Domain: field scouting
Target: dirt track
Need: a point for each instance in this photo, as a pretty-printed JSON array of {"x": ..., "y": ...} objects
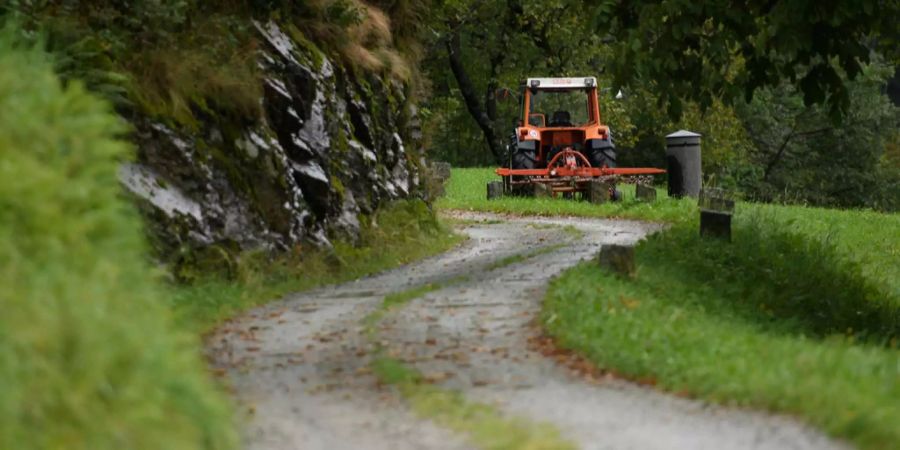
[{"x": 300, "y": 366}]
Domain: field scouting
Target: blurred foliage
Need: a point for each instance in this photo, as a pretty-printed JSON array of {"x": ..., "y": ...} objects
[
  {"x": 89, "y": 358},
  {"x": 701, "y": 51},
  {"x": 801, "y": 156}
]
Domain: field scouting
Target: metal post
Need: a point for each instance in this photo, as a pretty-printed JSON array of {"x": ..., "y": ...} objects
[{"x": 683, "y": 160}]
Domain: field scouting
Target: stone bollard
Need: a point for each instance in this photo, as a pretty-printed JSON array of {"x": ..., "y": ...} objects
[
  {"x": 542, "y": 190},
  {"x": 715, "y": 214},
  {"x": 647, "y": 193},
  {"x": 494, "y": 190},
  {"x": 683, "y": 161},
  {"x": 618, "y": 259},
  {"x": 438, "y": 173},
  {"x": 598, "y": 191},
  {"x": 441, "y": 170}
]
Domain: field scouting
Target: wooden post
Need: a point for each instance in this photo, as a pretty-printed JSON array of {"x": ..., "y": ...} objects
[
  {"x": 715, "y": 214},
  {"x": 618, "y": 259},
  {"x": 494, "y": 190},
  {"x": 643, "y": 192},
  {"x": 598, "y": 191}
]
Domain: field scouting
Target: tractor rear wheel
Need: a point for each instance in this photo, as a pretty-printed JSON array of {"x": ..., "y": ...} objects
[
  {"x": 522, "y": 160},
  {"x": 602, "y": 157}
]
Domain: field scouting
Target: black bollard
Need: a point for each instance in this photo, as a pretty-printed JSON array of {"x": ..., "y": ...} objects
[{"x": 683, "y": 160}]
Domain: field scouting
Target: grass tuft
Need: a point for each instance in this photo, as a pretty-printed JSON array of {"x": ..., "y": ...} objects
[{"x": 485, "y": 426}]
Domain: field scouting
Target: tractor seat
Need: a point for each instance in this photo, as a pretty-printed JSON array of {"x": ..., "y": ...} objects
[{"x": 561, "y": 119}]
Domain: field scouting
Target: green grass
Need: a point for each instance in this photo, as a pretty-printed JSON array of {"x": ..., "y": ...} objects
[
  {"x": 466, "y": 189},
  {"x": 89, "y": 356},
  {"x": 800, "y": 314},
  {"x": 791, "y": 317},
  {"x": 406, "y": 231}
]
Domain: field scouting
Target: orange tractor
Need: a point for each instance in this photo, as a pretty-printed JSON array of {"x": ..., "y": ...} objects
[{"x": 561, "y": 144}]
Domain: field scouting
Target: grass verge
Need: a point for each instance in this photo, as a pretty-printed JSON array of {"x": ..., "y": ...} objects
[
  {"x": 786, "y": 318},
  {"x": 406, "y": 231}
]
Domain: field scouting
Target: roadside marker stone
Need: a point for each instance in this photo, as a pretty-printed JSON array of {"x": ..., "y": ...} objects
[
  {"x": 715, "y": 214},
  {"x": 618, "y": 259}
]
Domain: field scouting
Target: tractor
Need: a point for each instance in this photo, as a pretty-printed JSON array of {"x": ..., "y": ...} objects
[{"x": 561, "y": 146}]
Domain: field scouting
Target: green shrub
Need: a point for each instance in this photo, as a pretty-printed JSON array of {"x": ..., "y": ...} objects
[{"x": 88, "y": 356}]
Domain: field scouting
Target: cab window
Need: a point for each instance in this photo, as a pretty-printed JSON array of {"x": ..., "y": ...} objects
[{"x": 561, "y": 108}]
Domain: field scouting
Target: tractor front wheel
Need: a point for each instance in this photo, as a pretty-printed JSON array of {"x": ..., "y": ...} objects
[{"x": 521, "y": 160}]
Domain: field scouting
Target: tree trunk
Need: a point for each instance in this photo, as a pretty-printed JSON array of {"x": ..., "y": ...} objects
[{"x": 473, "y": 105}]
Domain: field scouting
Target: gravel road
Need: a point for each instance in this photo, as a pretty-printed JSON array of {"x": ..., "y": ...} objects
[{"x": 299, "y": 367}]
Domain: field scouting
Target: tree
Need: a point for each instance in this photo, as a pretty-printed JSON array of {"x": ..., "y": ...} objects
[
  {"x": 729, "y": 49},
  {"x": 493, "y": 44},
  {"x": 802, "y": 156}
]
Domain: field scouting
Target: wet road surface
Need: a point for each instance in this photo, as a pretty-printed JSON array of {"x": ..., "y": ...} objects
[{"x": 300, "y": 366}]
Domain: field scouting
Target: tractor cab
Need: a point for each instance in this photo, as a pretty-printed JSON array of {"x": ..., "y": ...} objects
[
  {"x": 561, "y": 144},
  {"x": 560, "y": 114}
]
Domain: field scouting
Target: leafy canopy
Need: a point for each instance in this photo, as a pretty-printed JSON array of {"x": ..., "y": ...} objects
[{"x": 728, "y": 49}]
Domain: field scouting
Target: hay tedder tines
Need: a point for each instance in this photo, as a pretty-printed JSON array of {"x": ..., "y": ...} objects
[{"x": 568, "y": 153}]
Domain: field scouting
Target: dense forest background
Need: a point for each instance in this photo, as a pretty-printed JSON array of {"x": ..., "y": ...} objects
[
  {"x": 797, "y": 112},
  {"x": 781, "y": 122}
]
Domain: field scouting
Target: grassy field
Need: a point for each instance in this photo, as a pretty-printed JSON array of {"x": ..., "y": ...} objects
[{"x": 800, "y": 314}]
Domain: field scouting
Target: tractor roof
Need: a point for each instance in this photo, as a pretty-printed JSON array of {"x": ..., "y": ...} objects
[{"x": 562, "y": 83}]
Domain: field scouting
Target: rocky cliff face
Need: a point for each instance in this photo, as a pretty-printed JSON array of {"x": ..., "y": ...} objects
[{"x": 331, "y": 146}]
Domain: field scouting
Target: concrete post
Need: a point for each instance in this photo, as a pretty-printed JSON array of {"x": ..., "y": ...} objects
[
  {"x": 494, "y": 190},
  {"x": 715, "y": 214},
  {"x": 645, "y": 193},
  {"x": 598, "y": 191},
  {"x": 683, "y": 160}
]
